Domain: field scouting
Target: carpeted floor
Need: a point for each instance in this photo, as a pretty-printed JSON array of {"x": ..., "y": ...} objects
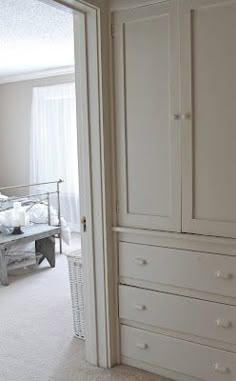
[{"x": 36, "y": 332}]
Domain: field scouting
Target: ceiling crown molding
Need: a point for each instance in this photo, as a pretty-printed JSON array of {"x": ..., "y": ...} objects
[{"x": 37, "y": 74}]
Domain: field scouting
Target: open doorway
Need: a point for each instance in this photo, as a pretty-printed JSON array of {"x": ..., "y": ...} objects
[
  {"x": 38, "y": 105},
  {"x": 39, "y": 144},
  {"x": 91, "y": 27}
]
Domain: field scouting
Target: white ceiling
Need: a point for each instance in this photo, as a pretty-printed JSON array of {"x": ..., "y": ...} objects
[{"x": 34, "y": 37}]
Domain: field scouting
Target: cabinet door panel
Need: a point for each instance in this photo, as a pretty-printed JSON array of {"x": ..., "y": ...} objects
[
  {"x": 208, "y": 64},
  {"x": 146, "y": 94}
]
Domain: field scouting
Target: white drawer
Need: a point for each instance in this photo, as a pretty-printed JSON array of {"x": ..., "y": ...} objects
[
  {"x": 212, "y": 273},
  {"x": 194, "y": 360},
  {"x": 177, "y": 313}
]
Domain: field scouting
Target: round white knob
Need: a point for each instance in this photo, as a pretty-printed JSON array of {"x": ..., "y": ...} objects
[
  {"x": 140, "y": 307},
  {"x": 223, "y": 323},
  {"x": 221, "y": 368},
  {"x": 140, "y": 261},
  {"x": 186, "y": 116},
  {"x": 142, "y": 345},
  {"x": 223, "y": 275}
]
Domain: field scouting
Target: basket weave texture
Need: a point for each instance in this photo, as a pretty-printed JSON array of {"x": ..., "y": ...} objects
[{"x": 75, "y": 266}]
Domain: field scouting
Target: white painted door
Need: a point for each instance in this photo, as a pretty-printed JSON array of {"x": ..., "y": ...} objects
[
  {"x": 208, "y": 80},
  {"x": 146, "y": 75},
  {"x": 85, "y": 176}
]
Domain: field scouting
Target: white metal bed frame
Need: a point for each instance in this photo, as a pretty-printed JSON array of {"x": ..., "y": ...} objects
[{"x": 33, "y": 199}]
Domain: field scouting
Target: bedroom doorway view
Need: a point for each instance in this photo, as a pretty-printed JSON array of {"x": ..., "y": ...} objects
[{"x": 39, "y": 195}]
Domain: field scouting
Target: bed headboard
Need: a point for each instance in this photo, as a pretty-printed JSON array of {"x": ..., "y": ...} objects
[{"x": 33, "y": 197}]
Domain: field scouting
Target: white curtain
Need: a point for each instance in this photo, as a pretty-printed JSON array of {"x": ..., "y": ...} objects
[{"x": 53, "y": 151}]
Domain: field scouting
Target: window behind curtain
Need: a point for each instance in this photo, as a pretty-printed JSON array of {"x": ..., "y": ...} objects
[{"x": 54, "y": 151}]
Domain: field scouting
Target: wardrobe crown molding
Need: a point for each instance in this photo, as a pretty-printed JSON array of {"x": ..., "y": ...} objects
[{"x": 116, "y": 5}]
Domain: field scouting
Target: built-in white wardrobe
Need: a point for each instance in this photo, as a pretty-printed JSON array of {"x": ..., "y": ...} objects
[{"x": 174, "y": 65}]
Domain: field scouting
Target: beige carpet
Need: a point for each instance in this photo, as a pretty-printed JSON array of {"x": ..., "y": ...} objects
[{"x": 36, "y": 332}]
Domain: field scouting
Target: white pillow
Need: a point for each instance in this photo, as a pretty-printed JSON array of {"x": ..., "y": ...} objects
[{"x": 3, "y": 197}]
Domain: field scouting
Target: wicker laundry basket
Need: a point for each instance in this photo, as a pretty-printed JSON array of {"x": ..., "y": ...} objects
[{"x": 75, "y": 266}]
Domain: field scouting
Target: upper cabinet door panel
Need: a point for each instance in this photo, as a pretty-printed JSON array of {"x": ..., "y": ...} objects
[
  {"x": 146, "y": 97},
  {"x": 208, "y": 64}
]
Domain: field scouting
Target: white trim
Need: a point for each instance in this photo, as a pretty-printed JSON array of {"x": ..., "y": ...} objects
[
  {"x": 82, "y": 6},
  {"x": 114, "y": 271},
  {"x": 116, "y": 5},
  {"x": 38, "y": 74},
  {"x": 101, "y": 343},
  {"x": 84, "y": 150},
  {"x": 195, "y": 242}
]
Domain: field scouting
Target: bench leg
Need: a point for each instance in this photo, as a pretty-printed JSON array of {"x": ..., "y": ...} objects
[
  {"x": 3, "y": 268},
  {"x": 46, "y": 247}
]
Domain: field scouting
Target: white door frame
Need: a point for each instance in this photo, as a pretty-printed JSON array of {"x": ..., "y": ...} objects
[{"x": 92, "y": 60}]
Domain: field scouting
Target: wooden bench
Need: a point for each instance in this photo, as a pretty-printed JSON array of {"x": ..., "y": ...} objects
[{"x": 44, "y": 237}]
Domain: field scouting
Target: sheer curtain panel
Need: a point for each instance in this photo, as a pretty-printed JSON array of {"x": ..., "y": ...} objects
[{"x": 54, "y": 150}]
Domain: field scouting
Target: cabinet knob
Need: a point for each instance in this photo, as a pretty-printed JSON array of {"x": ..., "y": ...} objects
[
  {"x": 176, "y": 116},
  {"x": 223, "y": 275},
  {"x": 186, "y": 116},
  {"x": 221, "y": 368},
  {"x": 223, "y": 323},
  {"x": 140, "y": 261},
  {"x": 142, "y": 345},
  {"x": 140, "y": 307}
]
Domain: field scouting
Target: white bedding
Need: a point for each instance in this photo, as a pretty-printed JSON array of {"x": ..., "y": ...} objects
[
  {"x": 38, "y": 214},
  {"x": 3, "y": 197}
]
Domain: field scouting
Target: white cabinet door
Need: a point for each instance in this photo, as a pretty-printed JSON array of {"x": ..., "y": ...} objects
[
  {"x": 146, "y": 71},
  {"x": 208, "y": 78}
]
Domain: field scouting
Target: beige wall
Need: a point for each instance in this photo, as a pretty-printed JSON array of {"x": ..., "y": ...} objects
[{"x": 15, "y": 117}]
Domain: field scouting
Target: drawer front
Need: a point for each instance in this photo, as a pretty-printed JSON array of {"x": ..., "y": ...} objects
[
  {"x": 212, "y": 273},
  {"x": 177, "y": 355},
  {"x": 177, "y": 313}
]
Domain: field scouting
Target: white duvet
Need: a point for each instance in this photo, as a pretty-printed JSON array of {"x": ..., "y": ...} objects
[{"x": 38, "y": 214}]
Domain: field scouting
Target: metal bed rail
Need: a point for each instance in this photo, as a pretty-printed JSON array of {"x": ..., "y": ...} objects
[{"x": 47, "y": 198}]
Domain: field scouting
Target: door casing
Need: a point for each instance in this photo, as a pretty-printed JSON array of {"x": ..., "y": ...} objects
[{"x": 92, "y": 63}]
